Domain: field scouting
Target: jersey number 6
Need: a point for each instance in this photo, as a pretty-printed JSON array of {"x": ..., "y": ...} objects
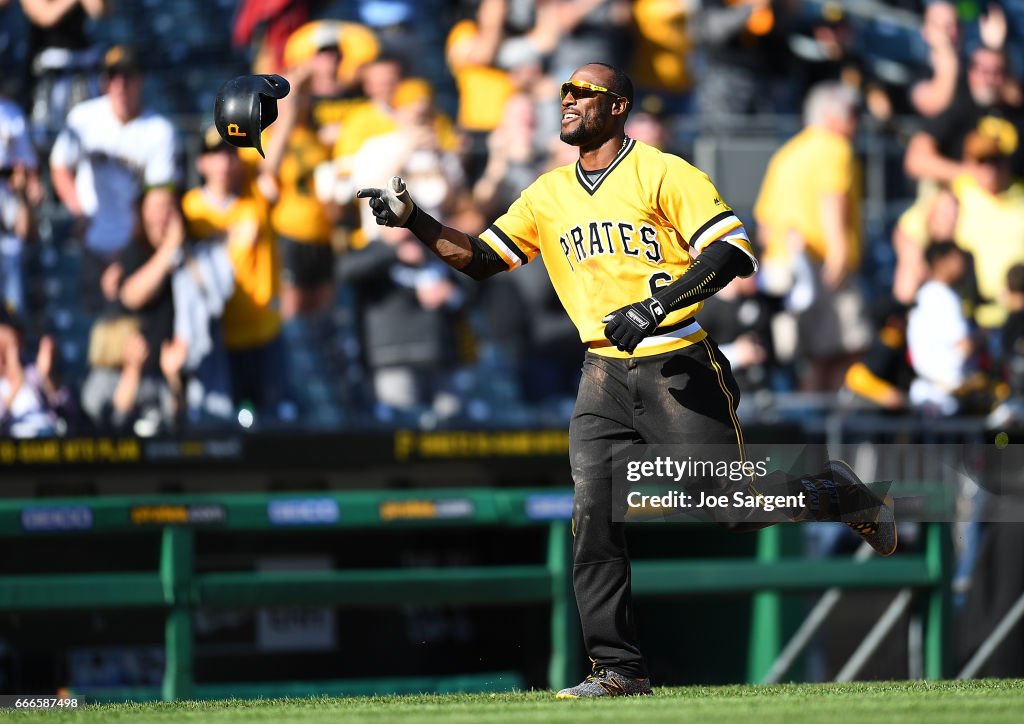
[{"x": 659, "y": 280}]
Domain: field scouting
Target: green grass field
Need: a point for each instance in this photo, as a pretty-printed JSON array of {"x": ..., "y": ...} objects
[{"x": 973, "y": 702}]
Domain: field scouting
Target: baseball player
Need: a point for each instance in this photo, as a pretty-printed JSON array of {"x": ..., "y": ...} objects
[{"x": 634, "y": 240}]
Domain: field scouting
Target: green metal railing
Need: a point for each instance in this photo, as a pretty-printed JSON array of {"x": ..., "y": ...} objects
[{"x": 177, "y": 587}]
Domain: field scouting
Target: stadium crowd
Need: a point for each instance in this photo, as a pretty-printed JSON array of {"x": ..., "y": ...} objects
[{"x": 156, "y": 279}]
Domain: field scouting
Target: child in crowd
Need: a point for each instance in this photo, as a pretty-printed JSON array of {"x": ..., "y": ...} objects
[{"x": 938, "y": 338}]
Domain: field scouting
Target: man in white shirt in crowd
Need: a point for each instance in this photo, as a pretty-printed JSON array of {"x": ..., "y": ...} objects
[{"x": 110, "y": 151}]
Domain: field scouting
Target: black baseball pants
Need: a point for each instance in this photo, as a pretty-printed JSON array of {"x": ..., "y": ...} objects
[{"x": 686, "y": 397}]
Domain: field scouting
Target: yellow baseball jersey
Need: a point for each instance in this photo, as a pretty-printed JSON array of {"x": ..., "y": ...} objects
[
  {"x": 615, "y": 239},
  {"x": 298, "y": 213},
  {"x": 661, "y": 45},
  {"x": 811, "y": 164},
  {"x": 982, "y": 219},
  {"x": 250, "y": 317},
  {"x": 366, "y": 120},
  {"x": 332, "y": 110},
  {"x": 483, "y": 89}
]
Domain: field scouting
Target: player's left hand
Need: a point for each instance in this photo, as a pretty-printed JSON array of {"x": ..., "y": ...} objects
[{"x": 629, "y": 326}]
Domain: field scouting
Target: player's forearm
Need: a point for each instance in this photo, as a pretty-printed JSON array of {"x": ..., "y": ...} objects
[
  {"x": 392, "y": 206},
  {"x": 467, "y": 254},
  {"x": 717, "y": 265},
  {"x": 455, "y": 248}
]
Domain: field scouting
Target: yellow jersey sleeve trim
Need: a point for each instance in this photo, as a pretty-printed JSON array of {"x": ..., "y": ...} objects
[
  {"x": 504, "y": 246},
  {"x": 739, "y": 239},
  {"x": 715, "y": 228}
]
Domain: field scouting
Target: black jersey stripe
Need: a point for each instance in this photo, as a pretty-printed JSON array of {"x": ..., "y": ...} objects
[
  {"x": 592, "y": 187},
  {"x": 509, "y": 243},
  {"x": 709, "y": 223}
]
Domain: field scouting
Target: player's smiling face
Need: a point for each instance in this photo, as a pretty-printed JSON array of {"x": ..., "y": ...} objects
[{"x": 586, "y": 114}]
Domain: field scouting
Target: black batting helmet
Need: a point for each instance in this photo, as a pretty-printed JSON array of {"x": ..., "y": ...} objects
[{"x": 245, "y": 106}]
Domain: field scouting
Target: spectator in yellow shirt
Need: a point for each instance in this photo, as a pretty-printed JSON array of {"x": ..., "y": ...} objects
[
  {"x": 661, "y": 46},
  {"x": 989, "y": 222},
  {"x": 484, "y": 89},
  {"x": 384, "y": 84},
  {"x": 219, "y": 208},
  {"x": 471, "y": 49},
  {"x": 301, "y": 218},
  {"x": 808, "y": 215}
]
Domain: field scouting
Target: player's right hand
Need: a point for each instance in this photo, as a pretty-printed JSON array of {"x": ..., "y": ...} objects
[{"x": 391, "y": 206}]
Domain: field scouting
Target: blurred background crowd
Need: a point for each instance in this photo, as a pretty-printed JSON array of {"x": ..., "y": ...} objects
[{"x": 155, "y": 279}]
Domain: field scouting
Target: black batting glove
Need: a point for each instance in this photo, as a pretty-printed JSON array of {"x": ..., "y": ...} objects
[
  {"x": 629, "y": 326},
  {"x": 391, "y": 206}
]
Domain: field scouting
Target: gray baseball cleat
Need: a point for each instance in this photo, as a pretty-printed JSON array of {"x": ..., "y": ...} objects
[
  {"x": 605, "y": 682},
  {"x": 870, "y": 516}
]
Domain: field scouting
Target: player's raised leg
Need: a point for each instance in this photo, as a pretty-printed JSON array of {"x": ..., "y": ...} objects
[{"x": 690, "y": 398}]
